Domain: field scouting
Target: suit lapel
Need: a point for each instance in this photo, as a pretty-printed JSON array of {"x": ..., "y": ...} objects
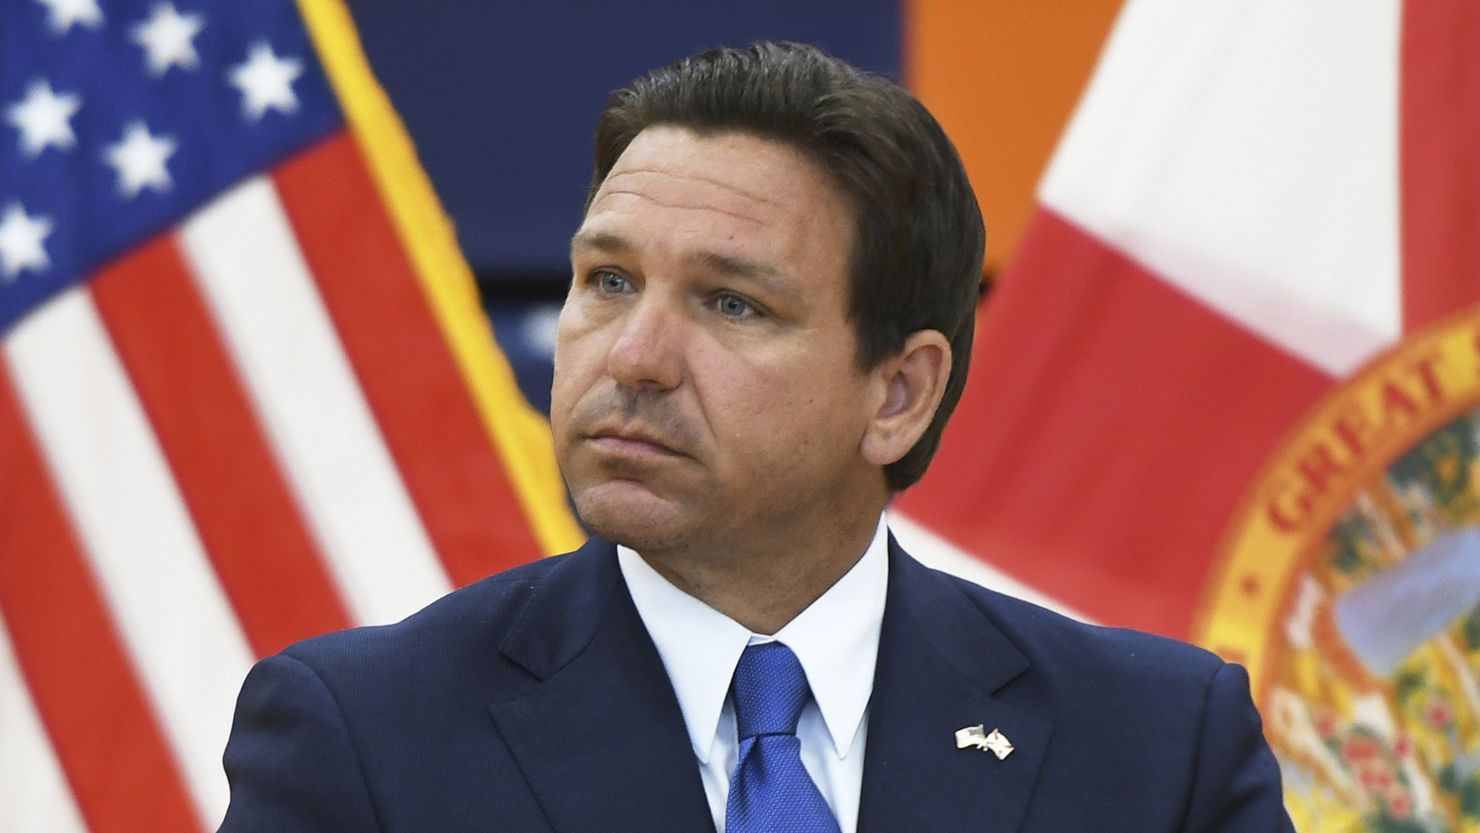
[
  {"x": 598, "y": 735},
  {"x": 940, "y": 661}
]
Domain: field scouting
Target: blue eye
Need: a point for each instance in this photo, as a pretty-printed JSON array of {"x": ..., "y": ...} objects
[
  {"x": 611, "y": 283},
  {"x": 733, "y": 306}
]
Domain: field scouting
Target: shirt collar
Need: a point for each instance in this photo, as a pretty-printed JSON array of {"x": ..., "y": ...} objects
[{"x": 836, "y": 639}]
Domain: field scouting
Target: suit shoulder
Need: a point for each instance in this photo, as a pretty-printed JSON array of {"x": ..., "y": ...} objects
[
  {"x": 1055, "y": 642},
  {"x": 469, "y": 620},
  {"x": 1142, "y": 732}
]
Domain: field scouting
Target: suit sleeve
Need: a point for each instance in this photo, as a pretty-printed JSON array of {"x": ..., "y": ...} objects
[
  {"x": 1236, "y": 785},
  {"x": 290, "y": 759}
]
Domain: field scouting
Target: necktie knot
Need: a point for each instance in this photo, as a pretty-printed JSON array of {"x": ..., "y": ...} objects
[{"x": 770, "y": 690}]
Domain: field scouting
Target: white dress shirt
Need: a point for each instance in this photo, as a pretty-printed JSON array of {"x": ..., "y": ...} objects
[{"x": 836, "y": 639}]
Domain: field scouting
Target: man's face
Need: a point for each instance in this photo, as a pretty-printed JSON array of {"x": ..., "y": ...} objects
[{"x": 705, "y": 376}]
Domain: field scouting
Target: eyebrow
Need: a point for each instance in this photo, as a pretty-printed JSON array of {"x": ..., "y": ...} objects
[
  {"x": 604, "y": 241},
  {"x": 738, "y": 267}
]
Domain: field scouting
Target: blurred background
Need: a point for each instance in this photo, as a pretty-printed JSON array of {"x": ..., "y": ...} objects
[{"x": 1225, "y": 385}]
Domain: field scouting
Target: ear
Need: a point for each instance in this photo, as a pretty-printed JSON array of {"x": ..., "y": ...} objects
[{"x": 911, "y": 384}]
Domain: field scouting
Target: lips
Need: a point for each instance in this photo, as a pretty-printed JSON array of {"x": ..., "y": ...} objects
[
  {"x": 619, "y": 422},
  {"x": 629, "y": 442}
]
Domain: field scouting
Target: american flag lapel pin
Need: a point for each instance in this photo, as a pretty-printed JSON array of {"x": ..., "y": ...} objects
[{"x": 978, "y": 736}]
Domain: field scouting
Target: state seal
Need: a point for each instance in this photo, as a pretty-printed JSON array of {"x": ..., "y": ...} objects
[{"x": 1349, "y": 585}]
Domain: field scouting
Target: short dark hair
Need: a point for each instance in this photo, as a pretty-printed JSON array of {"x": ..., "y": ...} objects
[{"x": 919, "y": 240}]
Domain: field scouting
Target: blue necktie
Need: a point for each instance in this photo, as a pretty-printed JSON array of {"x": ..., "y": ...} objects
[{"x": 771, "y": 791}]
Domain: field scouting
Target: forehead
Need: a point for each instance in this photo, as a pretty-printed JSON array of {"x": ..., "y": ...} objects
[{"x": 734, "y": 193}]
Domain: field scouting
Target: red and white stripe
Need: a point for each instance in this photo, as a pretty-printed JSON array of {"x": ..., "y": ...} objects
[
  {"x": 310, "y": 404},
  {"x": 230, "y": 439},
  {"x": 1253, "y": 198},
  {"x": 31, "y": 779}
]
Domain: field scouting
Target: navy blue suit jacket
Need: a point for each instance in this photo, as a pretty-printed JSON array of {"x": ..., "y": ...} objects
[{"x": 534, "y": 701}]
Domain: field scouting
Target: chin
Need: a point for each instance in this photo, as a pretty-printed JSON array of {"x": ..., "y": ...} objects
[{"x": 628, "y": 514}]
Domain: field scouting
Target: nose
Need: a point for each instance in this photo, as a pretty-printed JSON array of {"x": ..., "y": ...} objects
[{"x": 648, "y": 351}]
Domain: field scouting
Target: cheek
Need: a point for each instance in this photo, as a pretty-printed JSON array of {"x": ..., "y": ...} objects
[
  {"x": 830, "y": 404},
  {"x": 731, "y": 385},
  {"x": 574, "y": 350},
  {"x": 561, "y": 403},
  {"x": 778, "y": 409}
]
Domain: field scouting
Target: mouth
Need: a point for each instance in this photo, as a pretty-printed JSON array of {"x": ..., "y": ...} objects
[{"x": 626, "y": 443}]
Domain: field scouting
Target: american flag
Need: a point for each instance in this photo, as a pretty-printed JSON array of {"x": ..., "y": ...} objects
[{"x": 246, "y": 391}]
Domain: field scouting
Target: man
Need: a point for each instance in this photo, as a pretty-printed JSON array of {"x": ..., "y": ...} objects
[{"x": 768, "y": 324}]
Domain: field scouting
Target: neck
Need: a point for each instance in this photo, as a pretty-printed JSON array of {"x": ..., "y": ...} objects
[{"x": 765, "y": 587}]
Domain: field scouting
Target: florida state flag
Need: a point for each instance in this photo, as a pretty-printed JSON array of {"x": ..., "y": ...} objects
[{"x": 1227, "y": 390}]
